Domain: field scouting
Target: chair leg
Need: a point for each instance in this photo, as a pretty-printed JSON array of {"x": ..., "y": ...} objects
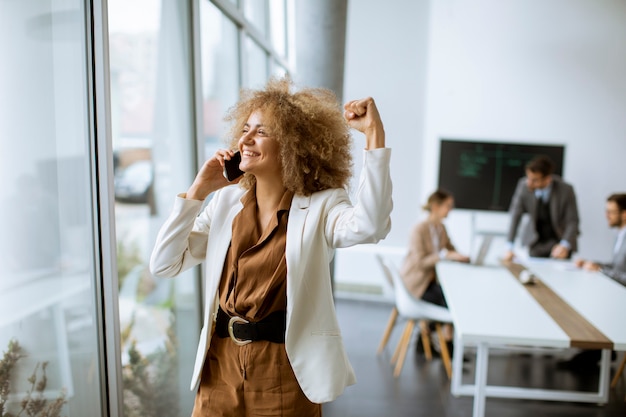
[
  {"x": 445, "y": 355},
  {"x": 390, "y": 324},
  {"x": 425, "y": 335},
  {"x": 619, "y": 372},
  {"x": 396, "y": 352},
  {"x": 405, "y": 346}
]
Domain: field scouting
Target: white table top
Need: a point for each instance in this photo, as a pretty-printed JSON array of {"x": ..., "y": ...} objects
[
  {"x": 598, "y": 298},
  {"x": 489, "y": 305}
]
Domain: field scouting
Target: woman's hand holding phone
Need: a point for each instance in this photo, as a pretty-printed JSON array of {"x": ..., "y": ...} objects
[{"x": 211, "y": 176}]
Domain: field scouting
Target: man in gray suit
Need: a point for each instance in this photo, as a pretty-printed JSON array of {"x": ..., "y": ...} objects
[
  {"x": 616, "y": 217},
  {"x": 551, "y": 203}
]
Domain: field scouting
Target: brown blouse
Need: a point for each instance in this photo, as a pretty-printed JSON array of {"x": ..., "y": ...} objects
[{"x": 254, "y": 280}]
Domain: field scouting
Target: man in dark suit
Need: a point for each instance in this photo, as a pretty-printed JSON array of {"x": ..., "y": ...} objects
[{"x": 551, "y": 204}]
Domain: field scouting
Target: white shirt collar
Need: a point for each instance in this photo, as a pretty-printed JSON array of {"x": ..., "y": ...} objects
[{"x": 544, "y": 193}]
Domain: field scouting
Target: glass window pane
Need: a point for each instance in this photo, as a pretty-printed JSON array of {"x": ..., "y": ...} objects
[
  {"x": 153, "y": 142},
  {"x": 278, "y": 26},
  {"x": 277, "y": 69},
  {"x": 256, "y": 64},
  {"x": 220, "y": 73},
  {"x": 47, "y": 294},
  {"x": 255, "y": 12}
]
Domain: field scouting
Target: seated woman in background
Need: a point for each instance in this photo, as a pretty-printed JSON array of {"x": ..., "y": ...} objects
[{"x": 430, "y": 243}]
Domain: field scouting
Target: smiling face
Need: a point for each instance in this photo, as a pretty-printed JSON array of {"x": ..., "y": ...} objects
[{"x": 260, "y": 153}]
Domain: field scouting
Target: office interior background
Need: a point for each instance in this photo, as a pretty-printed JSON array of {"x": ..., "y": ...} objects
[{"x": 108, "y": 107}]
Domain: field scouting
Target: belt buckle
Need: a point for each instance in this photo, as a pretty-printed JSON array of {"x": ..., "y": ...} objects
[{"x": 231, "y": 322}]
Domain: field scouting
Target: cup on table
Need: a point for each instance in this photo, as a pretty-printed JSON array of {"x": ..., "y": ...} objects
[{"x": 527, "y": 277}]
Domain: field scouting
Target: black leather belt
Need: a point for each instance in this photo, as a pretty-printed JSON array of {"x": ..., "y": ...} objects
[{"x": 272, "y": 328}]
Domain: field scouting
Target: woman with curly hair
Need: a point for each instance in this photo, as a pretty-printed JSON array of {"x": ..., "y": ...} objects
[{"x": 271, "y": 343}]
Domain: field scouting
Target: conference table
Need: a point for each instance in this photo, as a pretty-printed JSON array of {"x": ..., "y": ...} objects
[{"x": 564, "y": 308}]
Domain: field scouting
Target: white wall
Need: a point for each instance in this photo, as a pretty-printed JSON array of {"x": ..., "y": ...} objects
[
  {"x": 386, "y": 59},
  {"x": 519, "y": 71}
]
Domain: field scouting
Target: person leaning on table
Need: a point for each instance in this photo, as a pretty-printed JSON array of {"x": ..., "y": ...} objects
[
  {"x": 616, "y": 269},
  {"x": 268, "y": 242},
  {"x": 551, "y": 202}
]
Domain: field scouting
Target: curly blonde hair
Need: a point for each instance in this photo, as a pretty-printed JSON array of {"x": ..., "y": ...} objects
[{"x": 313, "y": 136}]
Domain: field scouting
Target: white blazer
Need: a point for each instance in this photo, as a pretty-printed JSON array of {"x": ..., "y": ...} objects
[{"x": 317, "y": 225}]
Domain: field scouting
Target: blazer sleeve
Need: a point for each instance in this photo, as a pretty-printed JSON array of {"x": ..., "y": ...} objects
[
  {"x": 516, "y": 209},
  {"x": 426, "y": 256},
  {"x": 617, "y": 269},
  {"x": 614, "y": 273},
  {"x": 182, "y": 240},
  {"x": 369, "y": 219},
  {"x": 418, "y": 268},
  {"x": 447, "y": 243},
  {"x": 570, "y": 220}
]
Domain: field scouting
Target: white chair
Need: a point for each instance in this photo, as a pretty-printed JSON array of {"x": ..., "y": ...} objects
[
  {"x": 414, "y": 310},
  {"x": 388, "y": 288},
  {"x": 393, "y": 318}
]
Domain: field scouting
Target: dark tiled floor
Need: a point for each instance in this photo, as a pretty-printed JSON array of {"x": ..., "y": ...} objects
[{"x": 424, "y": 390}]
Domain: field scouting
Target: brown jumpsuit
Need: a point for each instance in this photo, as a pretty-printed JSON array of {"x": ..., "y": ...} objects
[{"x": 255, "y": 379}]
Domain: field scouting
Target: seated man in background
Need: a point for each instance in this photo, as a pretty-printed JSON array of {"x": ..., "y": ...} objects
[
  {"x": 551, "y": 203},
  {"x": 616, "y": 217}
]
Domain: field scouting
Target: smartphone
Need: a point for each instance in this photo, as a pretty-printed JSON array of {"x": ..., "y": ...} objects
[{"x": 231, "y": 167}]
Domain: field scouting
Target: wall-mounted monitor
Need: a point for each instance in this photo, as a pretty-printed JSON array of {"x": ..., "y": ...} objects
[{"x": 483, "y": 175}]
